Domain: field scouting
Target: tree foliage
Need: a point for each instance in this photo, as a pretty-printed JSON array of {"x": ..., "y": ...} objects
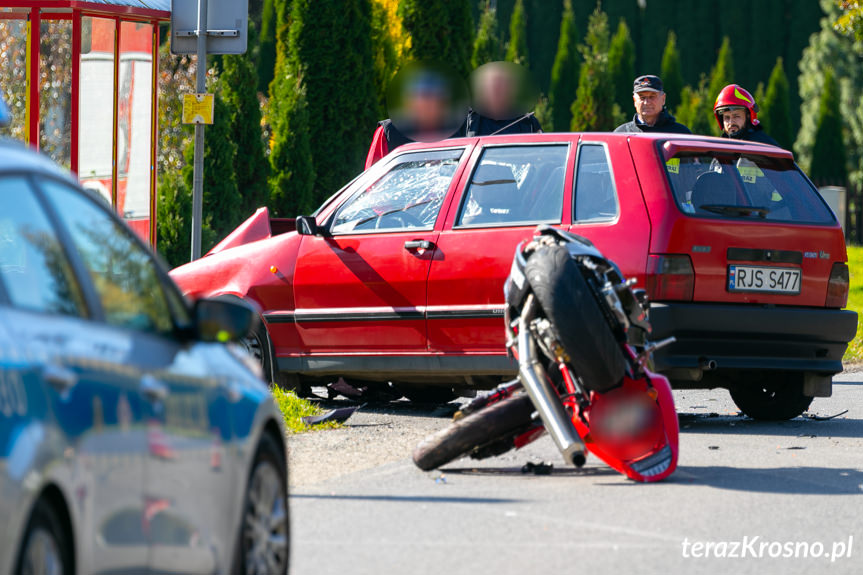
[
  {"x": 564, "y": 72},
  {"x": 593, "y": 108},
  {"x": 696, "y": 109},
  {"x": 439, "y": 30},
  {"x": 621, "y": 65},
  {"x": 388, "y": 45},
  {"x": 516, "y": 49},
  {"x": 338, "y": 84},
  {"x": 776, "y": 107},
  {"x": 828, "y": 150},
  {"x": 266, "y": 63},
  {"x": 487, "y": 45},
  {"x": 721, "y": 75},
  {"x": 237, "y": 85},
  {"x": 672, "y": 77}
]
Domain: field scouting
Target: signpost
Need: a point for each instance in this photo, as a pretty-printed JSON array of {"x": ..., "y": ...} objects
[{"x": 205, "y": 27}]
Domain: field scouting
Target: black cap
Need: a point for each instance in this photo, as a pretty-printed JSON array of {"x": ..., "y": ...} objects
[{"x": 647, "y": 84}]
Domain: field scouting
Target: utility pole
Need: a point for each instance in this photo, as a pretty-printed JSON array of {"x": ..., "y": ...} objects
[{"x": 198, "y": 178}]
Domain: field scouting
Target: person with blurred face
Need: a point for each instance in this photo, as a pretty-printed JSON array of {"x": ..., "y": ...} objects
[
  {"x": 499, "y": 102},
  {"x": 650, "y": 112},
  {"x": 736, "y": 113},
  {"x": 424, "y": 111}
]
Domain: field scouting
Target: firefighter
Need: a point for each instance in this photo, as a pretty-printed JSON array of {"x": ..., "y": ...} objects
[
  {"x": 651, "y": 115},
  {"x": 737, "y": 115}
]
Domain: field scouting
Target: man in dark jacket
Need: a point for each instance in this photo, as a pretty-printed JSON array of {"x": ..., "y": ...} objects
[
  {"x": 650, "y": 113},
  {"x": 737, "y": 114}
]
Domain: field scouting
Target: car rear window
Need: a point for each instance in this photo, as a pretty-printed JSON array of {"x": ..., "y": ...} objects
[{"x": 745, "y": 186}]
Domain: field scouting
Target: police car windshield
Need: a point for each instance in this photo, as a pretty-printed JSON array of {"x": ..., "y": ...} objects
[{"x": 748, "y": 186}]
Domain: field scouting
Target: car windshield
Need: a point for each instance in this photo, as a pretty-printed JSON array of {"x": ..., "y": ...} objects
[{"x": 745, "y": 186}]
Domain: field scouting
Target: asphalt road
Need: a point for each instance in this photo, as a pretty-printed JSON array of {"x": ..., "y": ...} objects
[{"x": 756, "y": 497}]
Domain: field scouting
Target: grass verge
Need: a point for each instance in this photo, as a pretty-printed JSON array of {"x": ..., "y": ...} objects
[
  {"x": 855, "y": 301},
  {"x": 294, "y": 409}
]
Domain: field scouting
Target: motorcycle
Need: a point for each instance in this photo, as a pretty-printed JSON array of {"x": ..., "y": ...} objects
[{"x": 579, "y": 332}]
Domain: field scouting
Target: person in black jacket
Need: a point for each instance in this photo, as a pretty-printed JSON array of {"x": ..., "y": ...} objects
[
  {"x": 650, "y": 112},
  {"x": 736, "y": 112}
]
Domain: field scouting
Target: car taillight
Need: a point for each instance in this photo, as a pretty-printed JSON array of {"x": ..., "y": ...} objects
[
  {"x": 837, "y": 287},
  {"x": 670, "y": 277}
]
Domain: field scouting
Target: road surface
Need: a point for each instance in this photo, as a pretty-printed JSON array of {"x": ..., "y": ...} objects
[{"x": 748, "y": 497}]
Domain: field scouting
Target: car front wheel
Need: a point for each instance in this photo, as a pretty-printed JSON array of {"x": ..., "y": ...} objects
[
  {"x": 264, "y": 531},
  {"x": 46, "y": 545},
  {"x": 772, "y": 397}
]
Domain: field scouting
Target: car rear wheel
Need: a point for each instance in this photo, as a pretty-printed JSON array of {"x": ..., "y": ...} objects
[
  {"x": 264, "y": 531},
  {"x": 772, "y": 397},
  {"x": 46, "y": 548},
  {"x": 485, "y": 427}
]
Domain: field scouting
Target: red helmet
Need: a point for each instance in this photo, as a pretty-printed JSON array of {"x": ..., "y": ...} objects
[{"x": 734, "y": 96}]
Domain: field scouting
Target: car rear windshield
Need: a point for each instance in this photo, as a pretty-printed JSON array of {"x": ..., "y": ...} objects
[{"x": 745, "y": 186}]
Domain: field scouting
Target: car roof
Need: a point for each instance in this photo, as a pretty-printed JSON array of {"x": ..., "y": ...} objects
[{"x": 574, "y": 136}]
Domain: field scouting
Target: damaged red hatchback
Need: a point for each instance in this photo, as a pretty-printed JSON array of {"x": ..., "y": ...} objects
[{"x": 399, "y": 276}]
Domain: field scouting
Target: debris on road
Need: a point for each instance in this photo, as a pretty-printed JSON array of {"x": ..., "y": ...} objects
[
  {"x": 339, "y": 415},
  {"x": 814, "y": 417},
  {"x": 538, "y": 468}
]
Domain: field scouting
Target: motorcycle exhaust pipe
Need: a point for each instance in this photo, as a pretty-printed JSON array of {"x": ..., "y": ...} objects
[{"x": 544, "y": 397}]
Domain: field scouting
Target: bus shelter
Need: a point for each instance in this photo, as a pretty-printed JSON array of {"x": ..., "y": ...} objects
[{"x": 80, "y": 79}]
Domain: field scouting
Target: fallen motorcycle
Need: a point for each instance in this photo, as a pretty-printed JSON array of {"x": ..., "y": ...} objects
[{"x": 580, "y": 334}]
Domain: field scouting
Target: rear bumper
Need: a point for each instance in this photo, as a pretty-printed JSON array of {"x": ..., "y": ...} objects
[{"x": 736, "y": 337}]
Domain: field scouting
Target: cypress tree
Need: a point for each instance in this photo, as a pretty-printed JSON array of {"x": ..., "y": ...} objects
[
  {"x": 486, "y": 47},
  {"x": 440, "y": 30},
  {"x": 696, "y": 109},
  {"x": 384, "y": 54},
  {"x": 267, "y": 46},
  {"x": 237, "y": 84},
  {"x": 776, "y": 107},
  {"x": 516, "y": 49},
  {"x": 621, "y": 65},
  {"x": 174, "y": 210},
  {"x": 292, "y": 174},
  {"x": 564, "y": 73},
  {"x": 338, "y": 83},
  {"x": 721, "y": 75},
  {"x": 593, "y": 108},
  {"x": 672, "y": 77},
  {"x": 828, "y": 152}
]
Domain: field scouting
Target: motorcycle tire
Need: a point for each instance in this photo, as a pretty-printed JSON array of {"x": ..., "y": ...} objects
[
  {"x": 489, "y": 425},
  {"x": 582, "y": 328}
]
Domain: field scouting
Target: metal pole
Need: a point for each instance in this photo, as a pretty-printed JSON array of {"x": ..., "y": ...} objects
[{"x": 200, "y": 88}]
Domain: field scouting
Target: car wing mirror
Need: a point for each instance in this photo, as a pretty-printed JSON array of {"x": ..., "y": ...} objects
[
  {"x": 308, "y": 226},
  {"x": 224, "y": 320}
]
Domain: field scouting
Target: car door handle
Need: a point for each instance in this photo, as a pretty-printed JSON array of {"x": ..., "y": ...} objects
[
  {"x": 418, "y": 245},
  {"x": 153, "y": 389},
  {"x": 59, "y": 377}
]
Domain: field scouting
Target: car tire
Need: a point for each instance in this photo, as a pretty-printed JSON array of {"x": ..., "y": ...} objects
[
  {"x": 490, "y": 425},
  {"x": 773, "y": 397},
  {"x": 582, "y": 328},
  {"x": 46, "y": 548},
  {"x": 264, "y": 537}
]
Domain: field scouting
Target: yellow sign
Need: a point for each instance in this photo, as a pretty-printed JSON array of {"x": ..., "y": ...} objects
[
  {"x": 673, "y": 165},
  {"x": 198, "y": 108},
  {"x": 750, "y": 174}
]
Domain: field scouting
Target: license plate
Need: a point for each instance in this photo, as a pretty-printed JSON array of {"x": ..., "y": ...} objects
[{"x": 764, "y": 279}]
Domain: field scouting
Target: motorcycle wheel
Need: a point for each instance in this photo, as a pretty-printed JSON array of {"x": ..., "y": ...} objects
[
  {"x": 489, "y": 425},
  {"x": 567, "y": 300}
]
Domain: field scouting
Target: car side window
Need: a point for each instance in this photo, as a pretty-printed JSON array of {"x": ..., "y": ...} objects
[
  {"x": 34, "y": 269},
  {"x": 122, "y": 271},
  {"x": 407, "y": 197},
  {"x": 595, "y": 192},
  {"x": 515, "y": 185}
]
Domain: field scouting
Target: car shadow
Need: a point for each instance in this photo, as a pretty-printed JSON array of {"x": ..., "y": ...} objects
[
  {"x": 803, "y": 426},
  {"x": 406, "y": 498},
  {"x": 780, "y": 480}
]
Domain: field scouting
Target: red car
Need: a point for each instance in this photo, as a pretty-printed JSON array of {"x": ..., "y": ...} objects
[{"x": 399, "y": 276}]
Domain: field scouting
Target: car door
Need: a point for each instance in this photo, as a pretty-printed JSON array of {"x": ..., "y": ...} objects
[
  {"x": 361, "y": 287},
  {"x": 84, "y": 406},
  {"x": 608, "y": 207},
  {"x": 509, "y": 191},
  {"x": 186, "y": 495}
]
